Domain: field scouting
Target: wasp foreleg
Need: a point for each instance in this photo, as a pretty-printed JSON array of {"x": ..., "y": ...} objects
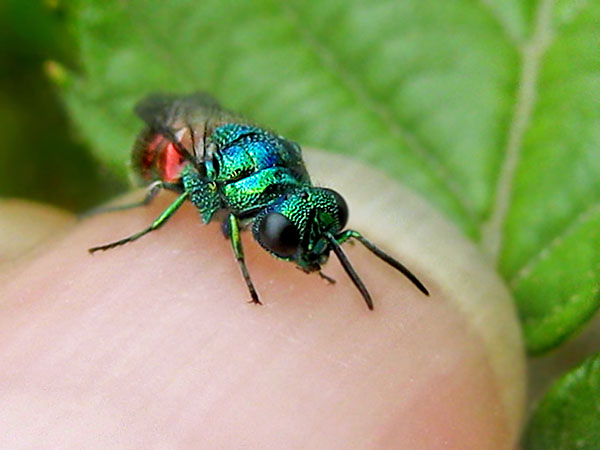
[
  {"x": 236, "y": 243},
  {"x": 326, "y": 277}
]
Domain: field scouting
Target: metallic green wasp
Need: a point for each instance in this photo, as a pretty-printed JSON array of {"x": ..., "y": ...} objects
[{"x": 246, "y": 176}]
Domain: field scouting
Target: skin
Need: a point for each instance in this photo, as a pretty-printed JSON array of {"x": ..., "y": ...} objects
[{"x": 153, "y": 345}]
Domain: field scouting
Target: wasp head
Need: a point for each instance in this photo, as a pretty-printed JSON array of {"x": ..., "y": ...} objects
[
  {"x": 296, "y": 228},
  {"x": 305, "y": 225}
]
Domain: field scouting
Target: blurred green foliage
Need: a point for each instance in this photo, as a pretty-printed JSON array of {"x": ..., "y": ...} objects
[
  {"x": 568, "y": 418},
  {"x": 40, "y": 157}
]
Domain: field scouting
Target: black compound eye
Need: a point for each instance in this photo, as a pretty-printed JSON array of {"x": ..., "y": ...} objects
[
  {"x": 278, "y": 234},
  {"x": 342, "y": 207}
]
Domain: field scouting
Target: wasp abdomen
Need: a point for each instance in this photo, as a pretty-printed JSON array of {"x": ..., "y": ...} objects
[
  {"x": 157, "y": 157},
  {"x": 260, "y": 189}
]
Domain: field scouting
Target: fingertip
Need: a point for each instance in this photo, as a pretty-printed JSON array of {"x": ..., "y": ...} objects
[
  {"x": 169, "y": 317},
  {"x": 164, "y": 322}
]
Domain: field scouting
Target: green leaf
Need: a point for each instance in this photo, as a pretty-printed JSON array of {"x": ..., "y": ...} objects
[
  {"x": 569, "y": 415},
  {"x": 39, "y": 159},
  {"x": 552, "y": 229},
  {"x": 487, "y": 108}
]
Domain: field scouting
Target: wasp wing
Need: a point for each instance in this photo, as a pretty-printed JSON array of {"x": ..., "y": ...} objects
[
  {"x": 177, "y": 131},
  {"x": 163, "y": 108}
]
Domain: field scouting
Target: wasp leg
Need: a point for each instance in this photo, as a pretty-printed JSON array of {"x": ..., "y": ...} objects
[
  {"x": 236, "y": 244},
  {"x": 326, "y": 278},
  {"x": 160, "y": 221},
  {"x": 151, "y": 193}
]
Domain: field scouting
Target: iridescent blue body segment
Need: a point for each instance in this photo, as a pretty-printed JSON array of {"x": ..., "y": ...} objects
[
  {"x": 250, "y": 168},
  {"x": 224, "y": 164},
  {"x": 243, "y": 150}
]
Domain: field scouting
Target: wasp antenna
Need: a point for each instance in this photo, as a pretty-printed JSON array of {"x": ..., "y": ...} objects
[
  {"x": 337, "y": 249},
  {"x": 391, "y": 261}
]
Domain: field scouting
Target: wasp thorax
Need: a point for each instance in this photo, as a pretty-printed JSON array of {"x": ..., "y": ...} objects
[{"x": 278, "y": 234}]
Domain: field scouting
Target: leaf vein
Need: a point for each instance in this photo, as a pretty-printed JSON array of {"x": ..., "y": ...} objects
[
  {"x": 532, "y": 54},
  {"x": 559, "y": 308},
  {"x": 545, "y": 250}
]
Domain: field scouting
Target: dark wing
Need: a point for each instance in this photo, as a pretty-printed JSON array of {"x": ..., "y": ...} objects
[
  {"x": 163, "y": 108},
  {"x": 177, "y": 130}
]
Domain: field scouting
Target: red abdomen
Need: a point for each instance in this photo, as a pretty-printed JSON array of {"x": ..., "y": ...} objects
[{"x": 155, "y": 157}]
